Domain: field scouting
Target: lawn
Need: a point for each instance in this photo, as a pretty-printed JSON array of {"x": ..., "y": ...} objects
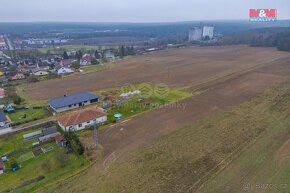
[
  {"x": 93, "y": 68},
  {"x": 22, "y": 116},
  {"x": 24, "y": 157},
  {"x": 15, "y": 142},
  {"x": 154, "y": 96},
  {"x": 51, "y": 165}
]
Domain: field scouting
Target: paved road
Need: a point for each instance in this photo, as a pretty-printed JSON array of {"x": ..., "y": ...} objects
[{"x": 8, "y": 42}]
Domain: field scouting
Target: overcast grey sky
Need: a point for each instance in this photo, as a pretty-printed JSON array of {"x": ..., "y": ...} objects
[{"x": 135, "y": 10}]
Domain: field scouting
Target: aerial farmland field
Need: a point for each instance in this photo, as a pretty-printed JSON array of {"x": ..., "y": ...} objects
[{"x": 175, "y": 68}]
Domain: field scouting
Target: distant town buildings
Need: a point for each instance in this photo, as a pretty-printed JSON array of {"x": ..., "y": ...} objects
[{"x": 201, "y": 33}]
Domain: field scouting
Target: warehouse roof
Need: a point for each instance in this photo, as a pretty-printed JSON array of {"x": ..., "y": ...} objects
[{"x": 72, "y": 99}]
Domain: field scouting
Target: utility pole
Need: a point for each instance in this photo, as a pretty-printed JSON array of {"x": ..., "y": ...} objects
[{"x": 95, "y": 133}]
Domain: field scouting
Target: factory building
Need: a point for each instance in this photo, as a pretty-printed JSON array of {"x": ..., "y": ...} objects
[
  {"x": 198, "y": 33},
  {"x": 207, "y": 31}
]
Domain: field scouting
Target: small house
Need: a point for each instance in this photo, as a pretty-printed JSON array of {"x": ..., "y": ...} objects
[
  {"x": 2, "y": 93},
  {"x": 109, "y": 55},
  {"x": 2, "y": 167},
  {"x": 16, "y": 76},
  {"x": 60, "y": 141},
  {"x": 86, "y": 60},
  {"x": 4, "y": 121},
  {"x": 66, "y": 63},
  {"x": 64, "y": 70},
  {"x": 81, "y": 119},
  {"x": 40, "y": 72}
]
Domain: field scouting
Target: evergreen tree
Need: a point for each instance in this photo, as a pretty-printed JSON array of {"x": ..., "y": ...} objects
[
  {"x": 97, "y": 55},
  {"x": 65, "y": 55}
]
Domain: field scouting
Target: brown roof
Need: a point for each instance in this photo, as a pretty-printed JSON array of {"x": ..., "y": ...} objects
[
  {"x": 59, "y": 138},
  {"x": 81, "y": 116}
]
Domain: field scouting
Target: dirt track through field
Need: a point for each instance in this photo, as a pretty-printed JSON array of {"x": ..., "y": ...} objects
[{"x": 185, "y": 66}]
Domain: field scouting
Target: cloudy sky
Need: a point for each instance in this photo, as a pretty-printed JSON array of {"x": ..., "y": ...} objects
[{"x": 135, "y": 10}]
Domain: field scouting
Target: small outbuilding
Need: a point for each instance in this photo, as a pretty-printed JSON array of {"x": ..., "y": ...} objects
[
  {"x": 33, "y": 135},
  {"x": 49, "y": 130},
  {"x": 60, "y": 141}
]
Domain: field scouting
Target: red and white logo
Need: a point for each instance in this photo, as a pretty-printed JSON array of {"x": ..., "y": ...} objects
[{"x": 263, "y": 15}]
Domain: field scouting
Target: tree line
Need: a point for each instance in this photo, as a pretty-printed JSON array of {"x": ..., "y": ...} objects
[{"x": 264, "y": 37}]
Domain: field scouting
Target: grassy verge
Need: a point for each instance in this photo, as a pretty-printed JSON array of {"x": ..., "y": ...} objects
[
  {"x": 22, "y": 116},
  {"x": 71, "y": 48},
  {"x": 187, "y": 158},
  {"x": 93, "y": 68}
]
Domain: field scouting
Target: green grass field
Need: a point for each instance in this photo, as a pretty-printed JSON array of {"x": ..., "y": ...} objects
[
  {"x": 31, "y": 114},
  {"x": 93, "y": 68},
  {"x": 52, "y": 165},
  {"x": 217, "y": 154},
  {"x": 72, "y": 48},
  {"x": 15, "y": 142},
  {"x": 156, "y": 96},
  {"x": 24, "y": 157}
]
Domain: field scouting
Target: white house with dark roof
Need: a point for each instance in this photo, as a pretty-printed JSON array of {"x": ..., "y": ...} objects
[
  {"x": 64, "y": 70},
  {"x": 73, "y": 101},
  {"x": 4, "y": 121}
]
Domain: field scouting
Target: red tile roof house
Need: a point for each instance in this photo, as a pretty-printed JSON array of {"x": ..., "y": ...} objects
[
  {"x": 60, "y": 141},
  {"x": 66, "y": 63},
  {"x": 16, "y": 76},
  {"x": 2, "y": 93},
  {"x": 81, "y": 119}
]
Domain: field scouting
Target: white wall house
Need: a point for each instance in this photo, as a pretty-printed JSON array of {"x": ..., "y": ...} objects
[
  {"x": 73, "y": 101},
  {"x": 65, "y": 70},
  {"x": 81, "y": 119},
  {"x": 4, "y": 121}
]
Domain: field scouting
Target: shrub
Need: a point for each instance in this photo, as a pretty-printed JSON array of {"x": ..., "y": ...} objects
[
  {"x": 46, "y": 166},
  {"x": 32, "y": 78},
  {"x": 13, "y": 162},
  {"x": 74, "y": 142}
]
